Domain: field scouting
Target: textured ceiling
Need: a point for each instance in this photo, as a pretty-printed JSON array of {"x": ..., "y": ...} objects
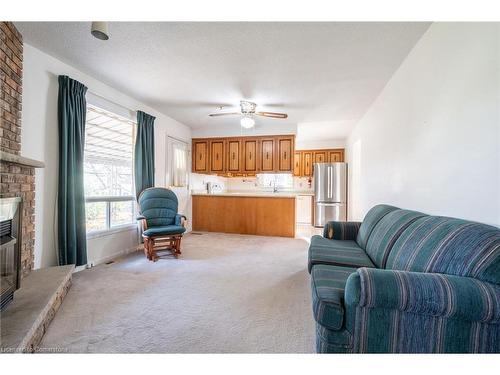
[{"x": 315, "y": 72}]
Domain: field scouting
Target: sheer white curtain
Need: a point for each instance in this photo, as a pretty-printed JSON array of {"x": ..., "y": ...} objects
[{"x": 179, "y": 164}]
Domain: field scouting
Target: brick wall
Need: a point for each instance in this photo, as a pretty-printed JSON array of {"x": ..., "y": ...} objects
[
  {"x": 19, "y": 181},
  {"x": 11, "y": 75},
  {"x": 15, "y": 180}
]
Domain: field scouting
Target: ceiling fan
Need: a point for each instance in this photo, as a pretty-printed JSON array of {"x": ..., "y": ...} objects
[{"x": 247, "y": 111}]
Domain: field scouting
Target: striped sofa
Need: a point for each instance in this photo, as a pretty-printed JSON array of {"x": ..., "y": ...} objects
[{"x": 406, "y": 282}]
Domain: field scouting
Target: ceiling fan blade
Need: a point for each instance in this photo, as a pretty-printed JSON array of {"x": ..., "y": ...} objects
[
  {"x": 224, "y": 114},
  {"x": 272, "y": 114}
]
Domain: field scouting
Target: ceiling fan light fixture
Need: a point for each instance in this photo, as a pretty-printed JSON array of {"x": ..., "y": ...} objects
[
  {"x": 247, "y": 122},
  {"x": 100, "y": 30}
]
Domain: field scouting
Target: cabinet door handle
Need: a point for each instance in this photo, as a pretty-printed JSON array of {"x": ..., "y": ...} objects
[
  {"x": 217, "y": 157},
  {"x": 285, "y": 155},
  {"x": 250, "y": 158},
  {"x": 200, "y": 156},
  {"x": 233, "y": 155},
  {"x": 267, "y": 155}
]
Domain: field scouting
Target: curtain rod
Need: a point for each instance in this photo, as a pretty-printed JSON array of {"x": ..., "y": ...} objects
[
  {"x": 177, "y": 139},
  {"x": 118, "y": 104}
]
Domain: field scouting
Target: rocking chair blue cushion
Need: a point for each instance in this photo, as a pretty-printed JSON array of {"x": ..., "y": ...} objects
[
  {"x": 167, "y": 230},
  {"x": 159, "y": 208}
]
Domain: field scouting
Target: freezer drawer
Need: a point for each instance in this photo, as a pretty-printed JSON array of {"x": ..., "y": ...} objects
[{"x": 324, "y": 212}]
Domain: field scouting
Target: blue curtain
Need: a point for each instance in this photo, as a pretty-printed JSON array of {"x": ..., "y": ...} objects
[
  {"x": 72, "y": 109},
  {"x": 144, "y": 161}
]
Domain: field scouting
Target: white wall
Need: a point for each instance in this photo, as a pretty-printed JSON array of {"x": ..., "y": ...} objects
[
  {"x": 430, "y": 141},
  {"x": 40, "y": 141},
  {"x": 235, "y": 130},
  {"x": 302, "y": 144}
]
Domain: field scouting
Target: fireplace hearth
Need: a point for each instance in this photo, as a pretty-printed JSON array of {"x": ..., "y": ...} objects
[{"x": 10, "y": 248}]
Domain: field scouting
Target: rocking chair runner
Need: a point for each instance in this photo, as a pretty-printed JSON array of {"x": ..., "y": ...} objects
[{"x": 161, "y": 224}]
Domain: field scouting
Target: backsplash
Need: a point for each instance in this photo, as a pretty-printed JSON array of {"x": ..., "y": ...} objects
[{"x": 198, "y": 183}]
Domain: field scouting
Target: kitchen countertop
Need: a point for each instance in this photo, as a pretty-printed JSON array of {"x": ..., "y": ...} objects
[{"x": 257, "y": 194}]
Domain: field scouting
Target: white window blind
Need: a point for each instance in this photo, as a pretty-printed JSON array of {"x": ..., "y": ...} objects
[{"x": 108, "y": 168}]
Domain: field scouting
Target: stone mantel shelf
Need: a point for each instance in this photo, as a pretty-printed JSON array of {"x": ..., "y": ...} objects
[{"x": 21, "y": 160}]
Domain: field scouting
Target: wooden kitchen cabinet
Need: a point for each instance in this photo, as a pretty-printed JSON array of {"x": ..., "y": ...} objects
[
  {"x": 304, "y": 160},
  {"x": 336, "y": 156},
  {"x": 236, "y": 156},
  {"x": 267, "y": 155},
  {"x": 200, "y": 156},
  {"x": 217, "y": 156},
  {"x": 297, "y": 163},
  {"x": 307, "y": 163},
  {"x": 249, "y": 155},
  {"x": 320, "y": 157},
  {"x": 233, "y": 164},
  {"x": 285, "y": 154}
]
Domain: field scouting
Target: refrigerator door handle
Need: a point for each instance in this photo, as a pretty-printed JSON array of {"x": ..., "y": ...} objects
[
  {"x": 329, "y": 204},
  {"x": 329, "y": 193}
]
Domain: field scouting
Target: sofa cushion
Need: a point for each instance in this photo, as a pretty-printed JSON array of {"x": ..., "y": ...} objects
[
  {"x": 371, "y": 219},
  {"x": 336, "y": 252},
  {"x": 164, "y": 230},
  {"x": 450, "y": 246},
  {"x": 386, "y": 232},
  {"x": 328, "y": 284}
]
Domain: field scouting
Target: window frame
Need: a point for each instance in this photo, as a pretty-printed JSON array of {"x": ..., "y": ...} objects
[{"x": 109, "y": 229}]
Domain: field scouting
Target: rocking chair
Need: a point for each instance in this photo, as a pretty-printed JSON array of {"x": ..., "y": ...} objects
[{"x": 161, "y": 224}]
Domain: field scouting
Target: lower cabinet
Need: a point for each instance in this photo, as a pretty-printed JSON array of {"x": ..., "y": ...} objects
[
  {"x": 304, "y": 209},
  {"x": 263, "y": 216}
]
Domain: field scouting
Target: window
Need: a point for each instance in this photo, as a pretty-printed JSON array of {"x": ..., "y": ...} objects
[
  {"x": 108, "y": 170},
  {"x": 282, "y": 180},
  {"x": 179, "y": 163}
]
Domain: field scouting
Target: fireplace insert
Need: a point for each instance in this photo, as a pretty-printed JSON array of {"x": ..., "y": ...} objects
[{"x": 10, "y": 248}]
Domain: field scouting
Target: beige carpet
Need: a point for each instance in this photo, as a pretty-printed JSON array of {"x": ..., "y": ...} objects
[{"x": 226, "y": 293}]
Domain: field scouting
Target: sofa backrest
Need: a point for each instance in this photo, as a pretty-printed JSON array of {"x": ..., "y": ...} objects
[
  {"x": 371, "y": 219},
  {"x": 451, "y": 246},
  {"x": 158, "y": 206},
  {"x": 386, "y": 232}
]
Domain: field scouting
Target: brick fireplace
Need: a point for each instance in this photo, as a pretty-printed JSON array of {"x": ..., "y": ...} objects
[
  {"x": 37, "y": 294},
  {"x": 17, "y": 174}
]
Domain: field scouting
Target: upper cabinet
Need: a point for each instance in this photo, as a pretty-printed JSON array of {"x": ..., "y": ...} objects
[
  {"x": 217, "y": 156},
  {"x": 285, "y": 154},
  {"x": 233, "y": 155},
  {"x": 297, "y": 163},
  {"x": 236, "y": 156},
  {"x": 249, "y": 156},
  {"x": 320, "y": 156},
  {"x": 307, "y": 163},
  {"x": 267, "y": 155},
  {"x": 200, "y": 156},
  {"x": 336, "y": 156},
  {"x": 304, "y": 160}
]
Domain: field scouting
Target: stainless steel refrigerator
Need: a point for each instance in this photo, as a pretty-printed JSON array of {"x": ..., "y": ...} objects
[{"x": 330, "y": 192}]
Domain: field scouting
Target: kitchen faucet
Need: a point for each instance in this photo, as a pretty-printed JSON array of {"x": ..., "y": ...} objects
[{"x": 275, "y": 188}]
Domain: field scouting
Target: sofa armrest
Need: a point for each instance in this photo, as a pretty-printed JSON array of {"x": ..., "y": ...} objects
[
  {"x": 180, "y": 220},
  {"x": 430, "y": 294},
  {"x": 341, "y": 230}
]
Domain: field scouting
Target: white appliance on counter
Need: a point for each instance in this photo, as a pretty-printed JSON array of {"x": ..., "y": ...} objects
[{"x": 330, "y": 193}]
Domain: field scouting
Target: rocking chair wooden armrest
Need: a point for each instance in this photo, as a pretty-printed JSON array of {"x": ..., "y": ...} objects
[
  {"x": 143, "y": 221},
  {"x": 181, "y": 220}
]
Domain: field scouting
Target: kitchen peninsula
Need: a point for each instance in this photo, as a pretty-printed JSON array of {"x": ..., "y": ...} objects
[{"x": 258, "y": 213}]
